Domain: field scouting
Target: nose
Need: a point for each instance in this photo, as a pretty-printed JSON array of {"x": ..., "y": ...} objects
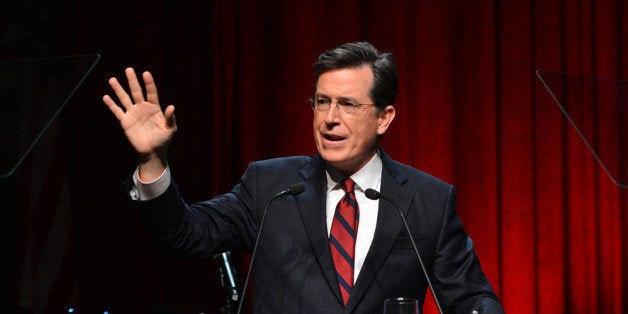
[{"x": 332, "y": 115}]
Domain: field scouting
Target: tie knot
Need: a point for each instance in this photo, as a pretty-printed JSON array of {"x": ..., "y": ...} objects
[{"x": 347, "y": 185}]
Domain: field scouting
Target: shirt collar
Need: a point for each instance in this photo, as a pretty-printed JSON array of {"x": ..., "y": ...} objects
[{"x": 368, "y": 177}]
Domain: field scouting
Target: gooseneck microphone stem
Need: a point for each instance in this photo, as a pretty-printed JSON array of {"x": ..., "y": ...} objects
[
  {"x": 227, "y": 278},
  {"x": 374, "y": 195},
  {"x": 295, "y": 189}
]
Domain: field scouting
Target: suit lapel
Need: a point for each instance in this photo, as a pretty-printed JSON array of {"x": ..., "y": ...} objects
[
  {"x": 389, "y": 226},
  {"x": 311, "y": 204}
]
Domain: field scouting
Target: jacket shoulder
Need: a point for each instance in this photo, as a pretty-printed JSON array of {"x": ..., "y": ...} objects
[
  {"x": 283, "y": 163},
  {"x": 415, "y": 177}
]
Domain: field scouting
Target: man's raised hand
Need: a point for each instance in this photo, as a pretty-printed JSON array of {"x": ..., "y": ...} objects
[{"x": 149, "y": 129}]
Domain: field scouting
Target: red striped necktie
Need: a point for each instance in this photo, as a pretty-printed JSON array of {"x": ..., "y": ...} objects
[{"x": 344, "y": 230}]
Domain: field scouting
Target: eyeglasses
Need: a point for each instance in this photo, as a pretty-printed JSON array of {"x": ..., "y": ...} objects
[{"x": 344, "y": 105}]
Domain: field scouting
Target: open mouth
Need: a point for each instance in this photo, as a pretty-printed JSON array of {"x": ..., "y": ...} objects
[{"x": 333, "y": 138}]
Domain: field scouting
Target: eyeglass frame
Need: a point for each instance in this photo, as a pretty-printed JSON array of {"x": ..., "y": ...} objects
[{"x": 343, "y": 103}]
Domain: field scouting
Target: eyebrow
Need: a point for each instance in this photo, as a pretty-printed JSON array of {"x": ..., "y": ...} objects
[{"x": 341, "y": 98}]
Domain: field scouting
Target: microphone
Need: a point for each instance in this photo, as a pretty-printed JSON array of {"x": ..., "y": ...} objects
[
  {"x": 374, "y": 195},
  {"x": 295, "y": 189},
  {"x": 227, "y": 276}
]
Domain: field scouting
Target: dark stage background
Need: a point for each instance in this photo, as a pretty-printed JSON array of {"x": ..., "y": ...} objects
[{"x": 548, "y": 223}]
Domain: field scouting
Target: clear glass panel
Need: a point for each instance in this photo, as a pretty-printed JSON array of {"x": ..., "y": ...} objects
[
  {"x": 596, "y": 108},
  {"x": 32, "y": 94}
]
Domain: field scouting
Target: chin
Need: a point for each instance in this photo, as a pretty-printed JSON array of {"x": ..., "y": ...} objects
[
  {"x": 333, "y": 156},
  {"x": 332, "y": 159}
]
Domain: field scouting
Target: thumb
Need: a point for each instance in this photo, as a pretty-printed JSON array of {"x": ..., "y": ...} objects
[{"x": 169, "y": 116}]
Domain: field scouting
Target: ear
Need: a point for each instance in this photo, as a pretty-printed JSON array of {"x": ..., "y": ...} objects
[{"x": 384, "y": 119}]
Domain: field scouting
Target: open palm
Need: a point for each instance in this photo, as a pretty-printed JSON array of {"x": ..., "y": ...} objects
[{"x": 148, "y": 129}]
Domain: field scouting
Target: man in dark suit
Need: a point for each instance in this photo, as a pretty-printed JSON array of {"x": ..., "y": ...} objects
[{"x": 330, "y": 248}]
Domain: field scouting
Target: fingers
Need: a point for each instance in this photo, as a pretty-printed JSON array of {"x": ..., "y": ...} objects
[
  {"x": 120, "y": 93},
  {"x": 151, "y": 88},
  {"x": 113, "y": 107},
  {"x": 137, "y": 95},
  {"x": 134, "y": 85}
]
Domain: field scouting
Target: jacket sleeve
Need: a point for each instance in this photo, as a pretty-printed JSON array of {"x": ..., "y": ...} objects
[
  {"x": 225, "y": 222},
  {"x": 461, "y": 285}
]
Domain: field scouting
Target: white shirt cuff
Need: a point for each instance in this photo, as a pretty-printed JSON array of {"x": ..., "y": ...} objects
[{"x": 145, "y": 191}]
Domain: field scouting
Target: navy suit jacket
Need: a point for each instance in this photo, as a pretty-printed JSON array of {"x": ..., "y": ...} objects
[{"x": 293, "y": 270}]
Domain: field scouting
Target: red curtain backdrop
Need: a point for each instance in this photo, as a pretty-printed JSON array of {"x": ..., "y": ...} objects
[{"x": 548, "y": 223}]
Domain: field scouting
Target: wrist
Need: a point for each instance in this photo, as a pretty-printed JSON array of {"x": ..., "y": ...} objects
[{"x": 151, "y": 166}]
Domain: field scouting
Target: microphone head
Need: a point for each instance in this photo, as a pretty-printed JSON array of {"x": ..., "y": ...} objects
[
  {"x": 296, "y": 189},
  {"x": 372, "y": 194}
]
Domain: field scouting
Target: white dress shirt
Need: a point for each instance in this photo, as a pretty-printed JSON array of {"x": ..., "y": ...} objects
[{"x": 369, "y": 177}]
